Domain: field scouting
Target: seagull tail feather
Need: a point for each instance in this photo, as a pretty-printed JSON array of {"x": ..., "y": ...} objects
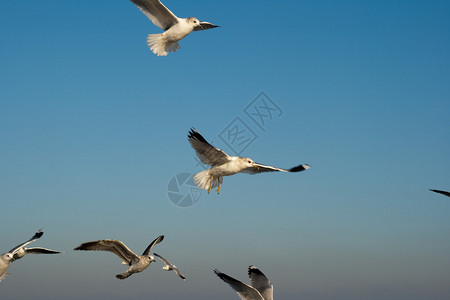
[
  {"x": 123, "y": 275},
  {"x": 203, "y": 180},
  {"x": 160, "y": 46}
]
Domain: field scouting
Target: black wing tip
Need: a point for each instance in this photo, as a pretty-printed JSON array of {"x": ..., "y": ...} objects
[
  {"x": 300, "y": 168},
  {"x": 252, "y": 269},
  {"x": 441, "y": 192},
  {"x": 38, "y": 234},
  {"x": 195, "y": 135}
]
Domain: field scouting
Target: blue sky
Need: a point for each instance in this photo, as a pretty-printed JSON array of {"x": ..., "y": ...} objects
[{"x": 93, "y": 128}]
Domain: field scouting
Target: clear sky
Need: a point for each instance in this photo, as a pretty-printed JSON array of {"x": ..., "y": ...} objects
[{"x": 93, "y": 129}]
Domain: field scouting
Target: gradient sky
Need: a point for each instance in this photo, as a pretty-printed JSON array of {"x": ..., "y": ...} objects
[{"x": 93, "y": 127}]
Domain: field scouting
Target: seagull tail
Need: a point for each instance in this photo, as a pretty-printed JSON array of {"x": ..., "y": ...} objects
[
  {"x": 160, "y": 46},
  {"x": 123, "y": 275},
  {"x": 203, "y": 180}
]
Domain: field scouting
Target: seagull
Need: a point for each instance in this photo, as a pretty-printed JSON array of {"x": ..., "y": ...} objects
[
  {"x": 224, "y": 165},
  {"x": 441, "y": 192},
  {"x": 169, "y": 266},
  {"x": 260, "y": 289},
  {"x": 174, "y": 28},
  {"x": 137, "y": 263},
  {"x": 20, "y": 251}
]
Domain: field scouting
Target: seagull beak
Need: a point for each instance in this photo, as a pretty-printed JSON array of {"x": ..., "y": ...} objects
[{"x": 255, "y": 166}]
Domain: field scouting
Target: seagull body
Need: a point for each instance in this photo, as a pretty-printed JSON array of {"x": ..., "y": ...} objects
[
  {"x": 137, "y": 263},
  {"x": 170, "y": 267},
  {"x": 260, "y": 289},
  {"x": 223, "y": 164},
  {"x": 174, "y": 28},
  {"x": 19, "y": 251},
  {"x": 441, "y": 192}
]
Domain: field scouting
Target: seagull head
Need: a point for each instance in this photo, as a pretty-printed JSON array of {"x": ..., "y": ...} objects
[
  {"x": 194, "y": 21},
  {"x": 152, "y": 258},
  {"x": 8, "y": 257},
  {"x": 248, "y": 162}
]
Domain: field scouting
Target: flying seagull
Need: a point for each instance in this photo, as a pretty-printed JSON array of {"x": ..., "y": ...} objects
[
  {"x": 260, "y": 289},
  {"x": 174, "y": 28},
  {"x": 169, "y": 267},
  {"x": 137, "y": 263},
  {"x": 224, "y": 165},
  {"x": 441, "y": 192},
  {"x": 20, "y": 251}
]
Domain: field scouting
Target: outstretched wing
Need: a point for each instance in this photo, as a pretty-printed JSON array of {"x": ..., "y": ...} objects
[
  {"x": 36, "y": 236},
  {"x": 441, "y": 192},
  {"x": 260, "y": 282},
  {"x": 259, "y": 168},
  {"x": 244, "y": 291},
  {"x": 160, "y": 15},
  {"x": 163, "y": 259},
  {"x": 155, "y": 241},
  {"x": 204, "y": 26},
  {"x": 113, "y": 246},
  {"x": 179, "y": 273},
  {"x": 207, "y": 153},
  {"x": 38, "y": 250}
]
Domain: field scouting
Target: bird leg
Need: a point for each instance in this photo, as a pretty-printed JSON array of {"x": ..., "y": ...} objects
[
  {"x": 210, "y": 186},
  {"x": 218, "y": 189}
]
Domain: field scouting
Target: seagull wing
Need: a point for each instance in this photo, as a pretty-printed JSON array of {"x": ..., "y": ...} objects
[
  {"x": 155, "y": 241},
  {"x": 260, "y": 282},
  {"x": 38, "y": 250},
  {"x": 179, "y": 273},
  {"x": 204, "y": 26},
  {"x": 160, "y": 15},
  {"x": 244, "y": 291},
  {"x": 113, "y": 246},
  {"x": 163, "y": 260},
  {"x": 441, "y": 192},
  {"x": 207, "y": 153},
  {"x": 259, "y": 168},
  {"x": 36, "y": 236}
]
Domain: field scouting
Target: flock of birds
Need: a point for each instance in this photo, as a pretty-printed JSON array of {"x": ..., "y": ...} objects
[{"x": 222, "y": 164}]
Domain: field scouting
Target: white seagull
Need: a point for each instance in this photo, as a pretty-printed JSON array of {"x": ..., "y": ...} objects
[
  {"x": 20, "y": 251},
  {"x": 174, "y": 28},
  {"x": 170, "y": 267},
  {"x": 137, "y": 263},
  {"x": 260, "y": 289},
  {"x": 224, "y": 165},
  {"x": 441, "y": 192}
]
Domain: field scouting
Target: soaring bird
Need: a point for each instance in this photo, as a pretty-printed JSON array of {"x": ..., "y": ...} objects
[
  {"x": 137, "y": 263},
  {"x": 19, "y": 251},
  {"x": 174, "y": 28},
  {"x": 170, "y": 267},
  {"x": 260, "y": 289},
  {"x": 441, "y": 192},
  {"x": 223, "y": 164}
]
